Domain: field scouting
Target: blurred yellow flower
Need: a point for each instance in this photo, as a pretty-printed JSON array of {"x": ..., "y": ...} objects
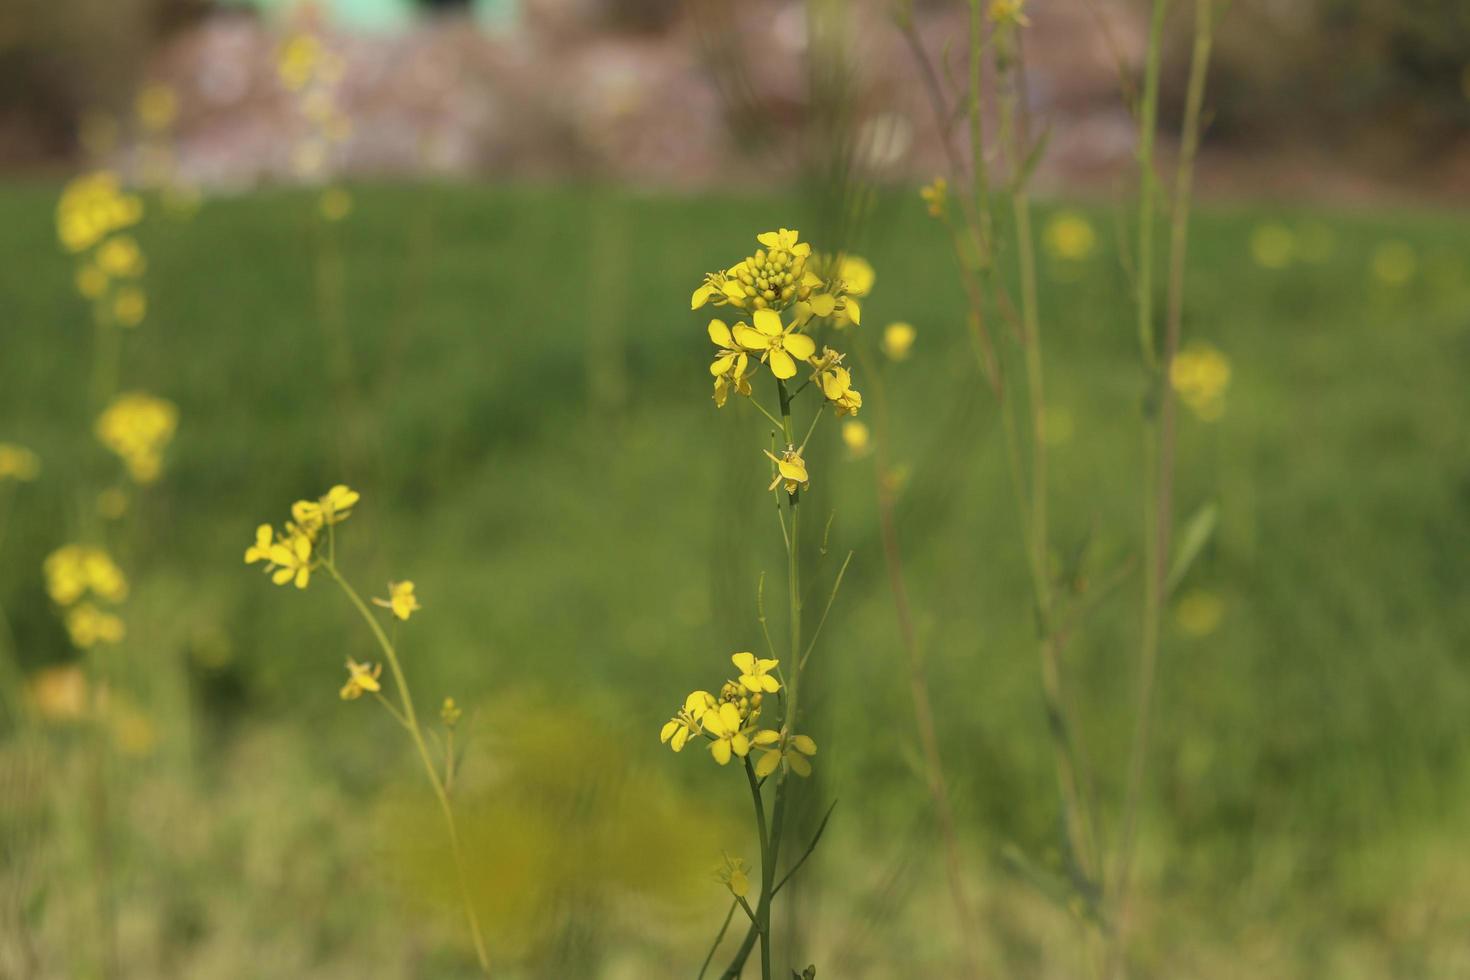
[
  {"x": 261, "y": 549},
  {"x": 775, "y": 748},
  {"x": 58, "y": 693},
  {"x": 734, "y": 874},
  {"x": 92, "y": 207},
  {"x": 361, "y": 678},
  {"x": 857, "y": 277},
  {"x": 400, "y": 599},
  {"x": 130, "y": 306},
  {"x": 335, "y": 204},
  {"x": 1009, "y": 12},
  {"x": 138, "y": 428},
  {"x": 297, "y": 61},
  {"x": 91, "y": 281},
  {"x": 724, "y": 726},
  {"x": 1199, "y": 612},
  {"x": 790, "y": 469},
  {"x": 1395, "y": 263},
  {"x": 755, "y": 674},
  {"x": 18, "y": 463},
  {"x": 779, "y": 346},
  {"x": 729, "y": 364},
  {"x": 1069, "y": 237},
  {"x": 856, "y": 437},
  {"x": 1200, "y": 374},
  {"x": 898, "y": 339},
  {"x": 120, "y": 257},
  {"x": 290, "y": 560},
  {"x": 157, "y": 106},
  {"x": 73, "y": 570},
  {"x": 449, "y": 713},
  {"x": 1273, "y": 245},
  {"x": 936, "y": 196},
  {"x": 87, "y": 626}
]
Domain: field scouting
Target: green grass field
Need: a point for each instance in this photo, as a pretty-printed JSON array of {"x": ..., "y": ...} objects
[{"x": 520, "y": 394}]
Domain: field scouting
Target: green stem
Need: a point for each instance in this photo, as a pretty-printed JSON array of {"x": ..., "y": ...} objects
[
  {"x": 1148, "y": 117},
  {"x": 1159, "y": 480},
  {"x": 416, "y": 733},
  {"x": 719, "y": 938}
]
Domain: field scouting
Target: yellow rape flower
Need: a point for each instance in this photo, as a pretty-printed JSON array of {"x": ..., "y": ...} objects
[
  {"x": 130, "y": 306},
  {"x": 729, "y": 364},
  {"x": 1200, "y": 375},
  {"x": 1199, "y": 612},
  {"x": 790, "y": 469},
  {"x": 734, "y": 874},
  {"x": 261, "y": 549},
  {"x": 361, "y": 678},
  {"x": 138, "y": 427},
  {"x": 120, "y": 257},
  {"x": 936, "y": 196},
  {"x": 18, "y": 463},
  {"x": 92, "y": 207},
  {"x": 400, "y": 599},
  {"x": 73, "y": 570},
  {"x": 1009, "y": 12},
  {"x": 724, "y": 726},
  {"x": 1069, "y": 237},
  {"x": 774, "y": 277},
  {"x": 88, "y": 626},
  {"x": 836, "y": 383},
  {"x": 290, "y": 560},
  {"x": 333, "y": 507},
  {"x": 91, "y": 281},
  {"x": 774, "y": 748},
  {"x": 450, "y": 713},
  {"x": 898, "y": 338},
  {"x": 755, "y": 674},
  {"x": 686, "y": 724},
  {"x": 298, "y": 60},
  {"x": 855, "y": 436},
  {"x": 779, "y": 346}
]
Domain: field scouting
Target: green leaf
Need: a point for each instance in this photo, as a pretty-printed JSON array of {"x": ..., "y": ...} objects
[
  {"x": 1197, "y": 534},
  {"x": 1033, "y": 159}
]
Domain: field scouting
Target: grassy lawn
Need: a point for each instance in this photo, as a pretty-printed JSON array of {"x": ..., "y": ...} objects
[{"x": 514, "y": 381}]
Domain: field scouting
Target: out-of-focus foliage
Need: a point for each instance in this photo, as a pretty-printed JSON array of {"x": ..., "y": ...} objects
[{"x": 1390, "y": 75}]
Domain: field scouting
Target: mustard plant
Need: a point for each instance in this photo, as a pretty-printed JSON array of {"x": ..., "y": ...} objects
[
  {"x": 306, "y": 545},
  {"x": 781, "y": 297},
  {"x": 965, "y": 203}
]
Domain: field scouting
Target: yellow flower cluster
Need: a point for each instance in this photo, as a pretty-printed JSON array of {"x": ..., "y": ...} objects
[
  {"x": 1200, "y": 375},
  {"x": 75, "y": 576},
  {"x": 729, "y": 722},
  {"x": 138, "y": 428},
  {"x": 1009, "y": 12},
  {"x": 1069, "y": 237},
  {"x": 91, "y": 219},
  {"x": 313, "y": 73},
  {"x": 18, "y": 463},
  {"x": 786, "y": 290},
  {"x": 936, "y": 197},
  {"x": 291, "y": 555}
]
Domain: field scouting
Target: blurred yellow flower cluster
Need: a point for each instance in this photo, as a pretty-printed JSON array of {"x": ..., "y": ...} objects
[
  {"x": 1200, "y": 374},
  {"x": 729, "y": 722},
  {"x": 1069, "y": 237},
  {"x": 936, "y": 197},
  {"x": 18, "y": 463},
  {"x": 92, "y": 217},
  {"x": 312, "y": 72},
  {"x": 76, "y": 575},
  {"x": 138, "y": 427},
  {"x": 292, "y": 555}
]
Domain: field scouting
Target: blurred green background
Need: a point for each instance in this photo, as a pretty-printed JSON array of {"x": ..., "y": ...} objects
[{"x": 520, "y": 394}]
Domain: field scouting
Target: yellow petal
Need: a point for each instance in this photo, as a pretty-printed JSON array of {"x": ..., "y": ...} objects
[
  {"x": 769, "y": 684},
  {"x": 767, "y": 322},
  {"x": 804, "y": 743},
  {"x": 750, "y": 339},
  {"x": 720, "y": 334},
  {"x": 854, "y": 311},
  {"x": 720, "y": 749},
  {"x": 782, "y": 366},
  {"x": 857, "y": 275},
  {"x": 722, "y": 364},
  {"x": 667, "y": 732},
  {"x": 744, "y": 662},
  {"x": 701, "y": 296},
  {"x": 768, "y": 736},
  {"x": 799, "y": 345},
  {"x": 765, "y": 665},
  {"x": 767, "y": 764},
  {"x": 798, "y": 764},
  {"x": 823, "y": 304},
  {"x": 740, "y": 744}
]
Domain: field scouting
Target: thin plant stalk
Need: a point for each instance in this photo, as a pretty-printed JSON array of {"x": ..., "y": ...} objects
[
  {"x": 1160, "y": 477},
  {"x": 411, "y": 723}
]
